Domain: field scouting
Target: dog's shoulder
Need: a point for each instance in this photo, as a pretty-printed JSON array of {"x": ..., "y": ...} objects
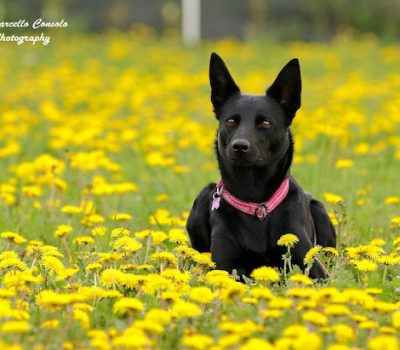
[
  {"x": 202, "y": 202},
  {"x": 198, "y": 224},
  {"x": 206, "y": 193},
  {"x": 297, "y": 198}
]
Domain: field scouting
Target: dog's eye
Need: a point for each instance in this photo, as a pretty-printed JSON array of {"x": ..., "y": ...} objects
[
  {"x": 231, "y": 123},
  {"x": 265, "y": 124}
]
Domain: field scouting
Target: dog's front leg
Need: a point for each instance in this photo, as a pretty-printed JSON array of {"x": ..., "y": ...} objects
[{"x": 225, "y": 251}]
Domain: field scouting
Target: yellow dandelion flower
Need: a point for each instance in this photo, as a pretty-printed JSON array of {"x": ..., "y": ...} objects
[
  {"x": 52, "y": 264},
  {"x": 132, "y": 338},
  {"x": 344, "y": 163},
  {"x": 261, "y": 293},
  {"x": 396, "y": 320},
  {"x": 373, "y": 291},
  {"x": 84, "y": 240},
  {"x": 396, "y": 242},
  {"x": 250, "y": 301},
  {"x": 176, "y": 275},
  {"x": 311, "y": 254},
  {"x": 337, "y": 310},
  {"x": 388, "y": 260},
  {"x": 280, "y": 303},
  {"x": 93, "y": 267},
  {"x": 233, "y": 290},
  {"x": 32, "y": 191},
  {"x": 197, "y": 341},
  {"x": 161, "y": 217},
  {"x": 62, "y": 230},
  {"x": 244, "y": 329},
  {"x": 203, "y": 259},
  {"x": 121, "y": 217},
  {"x": 378, "y": 242},
  {"x": 127, "y": 244},
  {"x": 185, "y": 309},
  {"x": 217, "y": 278},
  {"x": 81, "y": 317},
  {"x": 333, "y": 219},
  {"x": 332, "y": 198},
  {"x": 387, "y": 330},
  {"x": 315, "y": 317},
  {"x": 288, "y": 240},
  {"x": 164, "y": 257},
  {"x": 159, "y": 316},
  {"x": 392, "y": 200},
  {"x": 14, "y": 327},
  {"x": 158, "y": 237},
  {"x": 66, "y": 273},
  {"x": 127, "y": 305},
  {"x": 109, "y": 257},
  {"x": 131, "y": 281},
  {"x": 162, "y": 197},
  {"x": 368, "y": 324},
  {"x": 99, "y": 231},
  {"x": 256, "y": 344},
  {"x": 365, "y": 265},
  {"x": 71, "y": 209},
  {"x": 170, "y": 296},
  {"x": 8, "y": 254},
  {"x": 331, "y": 251},
  {"x": 142, "y": 234},
  {"x": 295, "y": 330},
  {"x": 111, "y": 277},
  {"x": 144, "y": 267},
  {"x": 273, "y": 314},
  {"x": 150, "y": 327},
  {"x": 50, "y": 300},
  {"x": 13, "y": 263},
  {"x": 383, "y": 342},
  {"x": 395, "y": 221},
  {"x": 229, "y": 341},
  {"x": 265, "y": 273},
  {"x": 12, "y": 237},
  {"x": 92, "y": 219},
  {"x": 301, "y": 279},
  {"x": 185, "y": 252},
  {"x": 178, "y": 235},
  {"x": 201, "y": 294},
  {"x": 120, "y": 231},
  {"x": 343, "y": 332},
  {"x": 50, "y": 324}
]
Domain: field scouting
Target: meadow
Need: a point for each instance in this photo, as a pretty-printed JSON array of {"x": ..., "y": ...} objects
[{"x": 105, "y": 141}]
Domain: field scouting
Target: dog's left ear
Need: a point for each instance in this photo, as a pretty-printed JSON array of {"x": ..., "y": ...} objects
[{"x": 286, "y": 89}]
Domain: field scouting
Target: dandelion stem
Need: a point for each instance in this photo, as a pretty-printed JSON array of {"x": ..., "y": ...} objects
[{"x": 385, "y": 270}]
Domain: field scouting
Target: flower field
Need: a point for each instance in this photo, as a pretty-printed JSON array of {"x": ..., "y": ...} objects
[{"x": 105, "y": 141}]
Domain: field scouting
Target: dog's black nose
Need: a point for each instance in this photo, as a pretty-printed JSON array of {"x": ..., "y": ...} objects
[{"x": 241, "y": 145}]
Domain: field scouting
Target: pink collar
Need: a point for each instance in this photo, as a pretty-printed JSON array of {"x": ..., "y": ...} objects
[{"x": 260, "y": 210}]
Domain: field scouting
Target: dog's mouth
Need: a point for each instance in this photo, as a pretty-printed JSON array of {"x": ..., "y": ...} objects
[{"x": 246, "y": 161}]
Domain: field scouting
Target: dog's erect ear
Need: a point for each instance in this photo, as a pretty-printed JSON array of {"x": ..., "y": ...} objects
[
  {"x": 286, "y": 89},
  {"x": 222, "y": 84}
]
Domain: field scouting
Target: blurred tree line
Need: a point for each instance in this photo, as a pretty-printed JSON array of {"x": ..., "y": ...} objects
[{"x": 280, "y": 19}]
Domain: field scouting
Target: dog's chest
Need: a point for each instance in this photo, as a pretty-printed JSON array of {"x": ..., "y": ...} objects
[
  {"x": 249, "y": 232},
  {"x": 253, "y": 234}
]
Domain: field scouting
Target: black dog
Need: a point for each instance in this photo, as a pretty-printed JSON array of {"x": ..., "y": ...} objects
[{"x": 254, "y": 149}]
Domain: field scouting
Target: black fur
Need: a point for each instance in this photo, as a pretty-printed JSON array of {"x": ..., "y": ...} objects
[{"x": 254, "y": 148}]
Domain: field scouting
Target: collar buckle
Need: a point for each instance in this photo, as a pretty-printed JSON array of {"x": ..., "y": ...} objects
[{"x": 261, "y": 211}]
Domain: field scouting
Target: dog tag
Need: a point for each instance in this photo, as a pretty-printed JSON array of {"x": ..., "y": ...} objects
[{"x": 215, "y": 203}]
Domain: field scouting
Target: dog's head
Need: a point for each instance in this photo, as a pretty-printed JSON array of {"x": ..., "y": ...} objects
[{"x": 254, "y": 129}]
